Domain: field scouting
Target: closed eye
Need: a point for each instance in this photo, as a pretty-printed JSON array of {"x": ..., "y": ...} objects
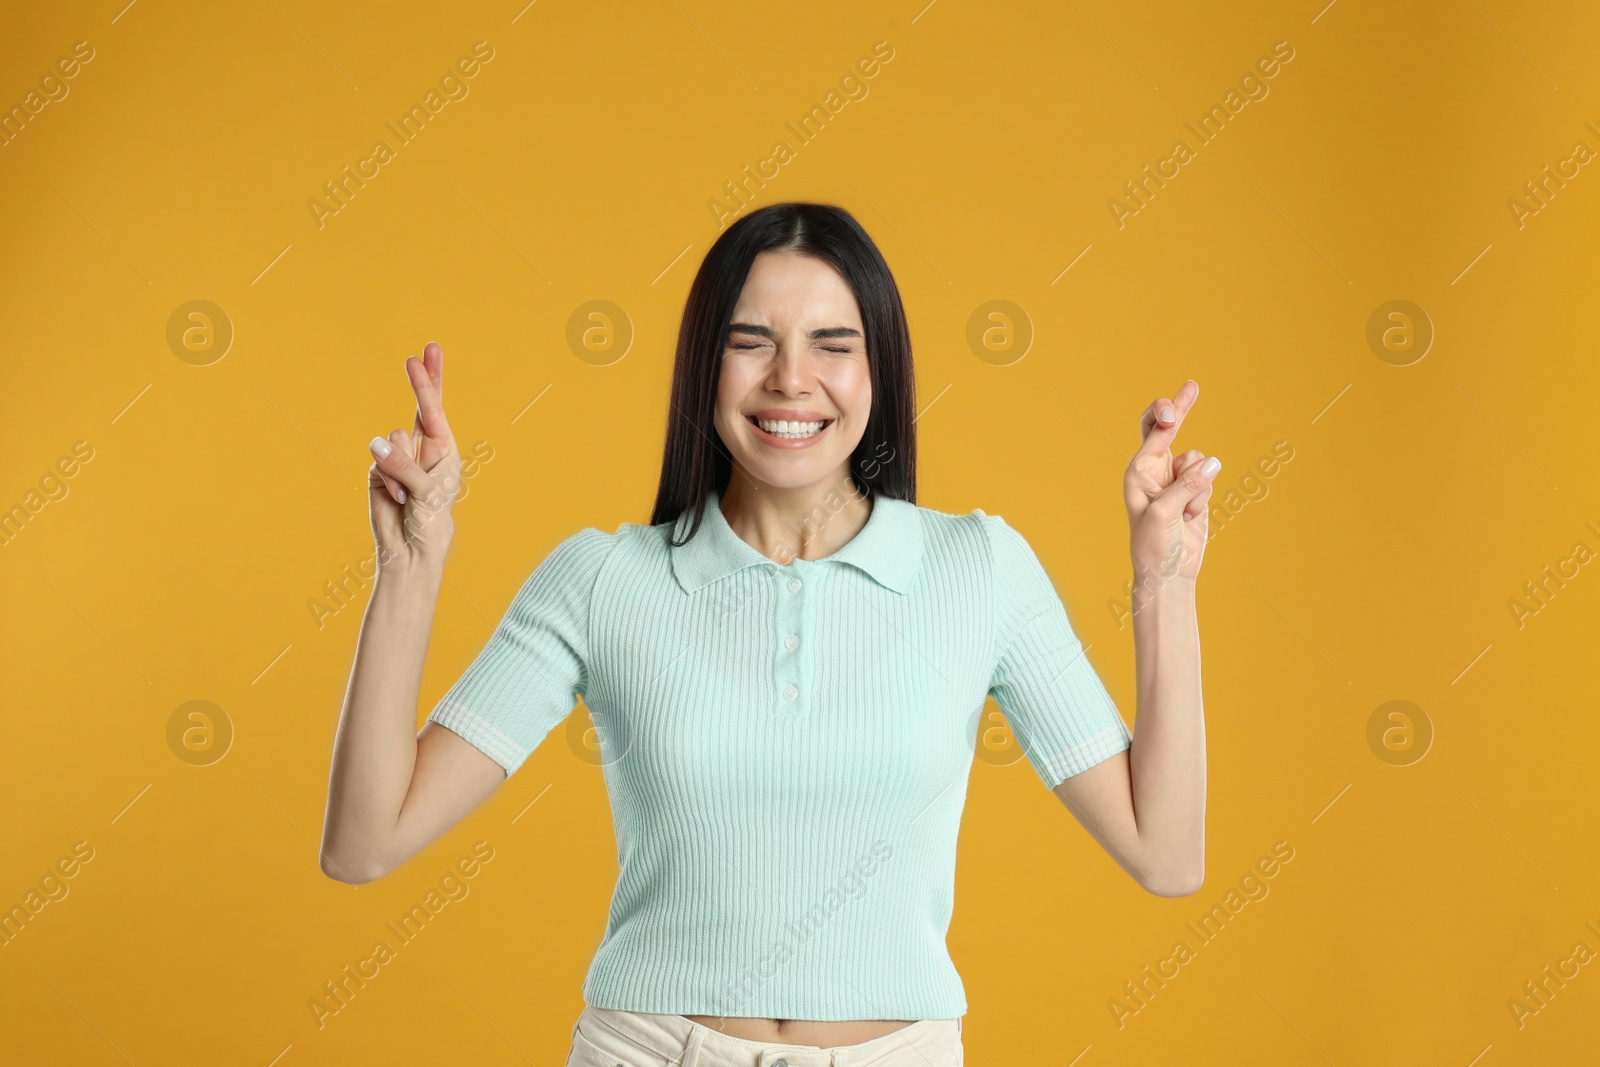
[{"x": 745, "y": 346}]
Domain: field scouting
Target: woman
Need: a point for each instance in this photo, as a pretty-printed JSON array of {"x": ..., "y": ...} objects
[{"x": 786, "y": 667}]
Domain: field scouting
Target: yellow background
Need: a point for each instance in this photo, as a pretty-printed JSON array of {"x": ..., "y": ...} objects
[{"x": 1378, "y": 566}]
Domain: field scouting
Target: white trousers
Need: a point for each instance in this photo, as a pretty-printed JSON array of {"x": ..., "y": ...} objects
[{"x": 605, "y": 1037}]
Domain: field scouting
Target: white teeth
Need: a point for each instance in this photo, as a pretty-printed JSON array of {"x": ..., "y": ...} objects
[{"x": 790, "y": 430}]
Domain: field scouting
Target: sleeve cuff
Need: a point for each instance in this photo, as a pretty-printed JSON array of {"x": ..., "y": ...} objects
[
  {"x": 1056, "y": 767},
  {"x": 480, "y": 733}
]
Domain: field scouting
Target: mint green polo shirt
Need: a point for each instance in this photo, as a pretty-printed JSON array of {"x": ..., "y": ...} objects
[{"x": 786, "y": 747}]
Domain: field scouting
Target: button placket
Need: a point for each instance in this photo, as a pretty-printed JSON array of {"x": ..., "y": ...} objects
[{"x": 791, "y": 671}]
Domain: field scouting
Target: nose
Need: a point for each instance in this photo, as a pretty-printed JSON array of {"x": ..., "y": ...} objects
[{"x": 792, "y": 371}]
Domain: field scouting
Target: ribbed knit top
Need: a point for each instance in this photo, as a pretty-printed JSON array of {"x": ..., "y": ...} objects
[{"x": 786, "y": 747}]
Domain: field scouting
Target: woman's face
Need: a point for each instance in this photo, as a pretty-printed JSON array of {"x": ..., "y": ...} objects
[{"x": 795, "y": 354}]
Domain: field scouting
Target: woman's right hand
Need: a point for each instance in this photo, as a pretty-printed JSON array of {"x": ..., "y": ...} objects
[{"x": 415, "y": 477}]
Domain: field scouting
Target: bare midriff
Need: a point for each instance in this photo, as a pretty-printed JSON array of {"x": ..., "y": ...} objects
[{"x": 822, "y": 1034}]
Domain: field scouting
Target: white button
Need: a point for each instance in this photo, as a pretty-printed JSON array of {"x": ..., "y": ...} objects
[
  {"x": 791, "y": 642},
  {"x": 794, "y": 585},
  {"x": 790, "y": 692}
]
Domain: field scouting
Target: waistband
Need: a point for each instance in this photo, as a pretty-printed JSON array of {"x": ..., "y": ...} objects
[{"x": 672, "y": 1036}]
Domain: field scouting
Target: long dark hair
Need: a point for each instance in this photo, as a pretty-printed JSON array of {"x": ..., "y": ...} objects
[{"x": 694, "y": 461}]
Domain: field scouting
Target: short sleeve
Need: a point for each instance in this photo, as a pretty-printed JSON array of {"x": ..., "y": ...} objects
[
  {"x": 1064, "y": 719},
  {"x": 523, "y": 683}
]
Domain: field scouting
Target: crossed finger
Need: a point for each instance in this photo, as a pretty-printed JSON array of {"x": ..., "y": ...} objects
[
  {"x": 392, "y": 457},
  {"x": 1181, "y": 464},
  {"x": 396, "y": 438},
  {"x": 427, "y": 381},
  {"x": 1160, "y": 421}
]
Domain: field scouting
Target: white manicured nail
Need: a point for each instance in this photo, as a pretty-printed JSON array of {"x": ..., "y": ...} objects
[
  {"x": 380, "y": 446},
  {"x": 1210, "y": 467}
]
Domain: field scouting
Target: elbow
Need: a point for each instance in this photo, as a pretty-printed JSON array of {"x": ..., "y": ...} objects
[
  {"x": 1181, "y": 883},
  {"x": 350, "y": 872}
]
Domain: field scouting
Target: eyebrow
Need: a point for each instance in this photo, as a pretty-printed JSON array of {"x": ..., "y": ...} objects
[{"x": 815, "y": 335}]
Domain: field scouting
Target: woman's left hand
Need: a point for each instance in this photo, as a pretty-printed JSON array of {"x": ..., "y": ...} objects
[{"x": 1167, "y": 496}]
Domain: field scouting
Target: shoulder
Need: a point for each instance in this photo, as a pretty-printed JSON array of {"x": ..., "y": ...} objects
[
  {"x": 626, "y": 533},
  {"x": 990, "y": 545},
  {"x": 946, "y": 522},
  {"x": 591, "y": 541},
  {"x": 973, "y": 534},
  {"x": 581, "y": 555},
  {"x": 634, "y": 555}
]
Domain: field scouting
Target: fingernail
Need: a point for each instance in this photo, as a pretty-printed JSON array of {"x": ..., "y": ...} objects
[
  {"x": 400, "y": 491},
  {"x": 380, "y": 446},
  {"x": 1166, "y": 414},
  {"x": 1210, "y": 467}
]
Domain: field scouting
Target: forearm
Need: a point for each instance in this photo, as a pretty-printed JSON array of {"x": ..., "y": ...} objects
[
  {"x": 375, "y": 748},
  {"x": 1168, "y": 759}
]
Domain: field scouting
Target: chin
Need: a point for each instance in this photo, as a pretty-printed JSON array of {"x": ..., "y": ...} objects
[{"x": 781, "y": 476}]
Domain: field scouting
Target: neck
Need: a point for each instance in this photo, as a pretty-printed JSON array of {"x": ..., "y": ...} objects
[{"x": 809, "y": 522}]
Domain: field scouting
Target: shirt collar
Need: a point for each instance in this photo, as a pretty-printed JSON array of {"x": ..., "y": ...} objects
[{"x": 888, "y": 548}]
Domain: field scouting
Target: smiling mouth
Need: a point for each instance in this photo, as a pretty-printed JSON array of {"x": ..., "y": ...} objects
[{"x": 786, "y": 430}]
